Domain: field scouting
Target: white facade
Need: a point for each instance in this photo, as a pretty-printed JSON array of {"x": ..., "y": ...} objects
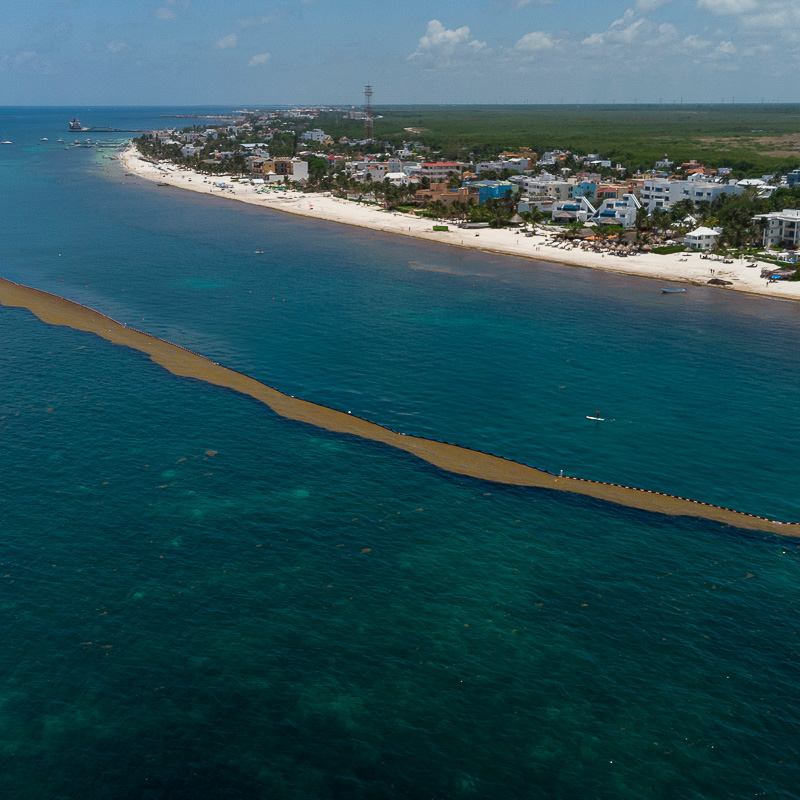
[
  {"x": 316, "y": 135},
  {"x": 706, "y": 190},
  {"x": 662, "y": 193},
  {"x": 299, "y": 170},
  {"x": 701, "y": 238},
  {"x": 783, "y": 228},
  {"x": 619, "y": 212},
  {"x": 397, "y": 178},
  {"x": 549, "y": 187},
  {"x": 438, "y": 171},
  {"x": 579, "y": 209},
  {"x": 511, "y": 164}
]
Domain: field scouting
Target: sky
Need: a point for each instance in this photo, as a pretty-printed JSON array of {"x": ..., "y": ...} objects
[{"x": 265, "y": 52}]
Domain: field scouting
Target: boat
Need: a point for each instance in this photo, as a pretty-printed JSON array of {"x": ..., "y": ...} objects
[
  {"x": 259, "y": 252},
  {"x": 75, "y": 125},
  {"x": 60, "y": 140},
  {"x": 7, "y": 141},
  {"x": 597, "y": 417},
  {"x": 43, "y": 139},
  {"x": 672, "y": 291}
]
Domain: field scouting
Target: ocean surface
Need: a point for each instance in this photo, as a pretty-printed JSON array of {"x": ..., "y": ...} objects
[{"x": 203, "y": 600}]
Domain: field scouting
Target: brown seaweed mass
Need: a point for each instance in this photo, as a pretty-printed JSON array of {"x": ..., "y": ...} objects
[{"x": 461, "y": 460}]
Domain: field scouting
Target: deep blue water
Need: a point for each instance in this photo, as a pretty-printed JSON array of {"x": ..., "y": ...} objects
[{"x": 202, "y": 600}]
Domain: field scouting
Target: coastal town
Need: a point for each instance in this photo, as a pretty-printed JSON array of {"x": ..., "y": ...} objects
[{"x": 570, "y": 201}]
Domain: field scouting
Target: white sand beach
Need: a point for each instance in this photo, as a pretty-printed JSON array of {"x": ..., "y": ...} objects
[{"x": 677, "y": 267}]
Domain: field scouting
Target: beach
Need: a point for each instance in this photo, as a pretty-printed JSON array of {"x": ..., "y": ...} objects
[{"x": 685, "y": 268}]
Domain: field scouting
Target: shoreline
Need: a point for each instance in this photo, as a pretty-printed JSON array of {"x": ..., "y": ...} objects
[
  {"x": 55, "y": 310},
  {"x": 668, "y": 268}
]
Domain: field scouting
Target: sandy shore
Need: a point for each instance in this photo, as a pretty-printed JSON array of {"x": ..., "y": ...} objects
[
  {"x": 678, "y": 267},
  {"x": 57, "y": 310}
]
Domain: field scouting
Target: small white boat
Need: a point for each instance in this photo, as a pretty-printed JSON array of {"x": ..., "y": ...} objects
[
  {"x": 7, "y": 142},
  {"x": 43, "y": 139}
]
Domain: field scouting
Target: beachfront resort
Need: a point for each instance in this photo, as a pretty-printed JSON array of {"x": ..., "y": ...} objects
[
  {"x": 664, "y": 206},
  {"x": 686, "y": 222}
]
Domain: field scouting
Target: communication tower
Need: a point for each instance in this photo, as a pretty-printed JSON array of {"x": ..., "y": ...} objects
[{"x": 368, "y": 124}]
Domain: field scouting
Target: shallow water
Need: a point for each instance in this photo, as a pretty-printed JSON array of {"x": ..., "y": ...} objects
[{"x": 205, "y": 600}]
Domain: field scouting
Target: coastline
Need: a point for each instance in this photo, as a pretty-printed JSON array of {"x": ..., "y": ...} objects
[
  {"x": 668, "y": 268},
  {"x": 55, "y": 310}
]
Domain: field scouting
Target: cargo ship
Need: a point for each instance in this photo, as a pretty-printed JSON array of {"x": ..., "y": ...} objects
[{"x": 76, "y": 127}]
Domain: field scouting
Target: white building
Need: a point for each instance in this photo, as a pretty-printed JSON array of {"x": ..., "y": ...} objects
[
  {"x": 706, "y": 190},
  {"x": 577, "y": 210},
  {"x": 782, "y": 228},
  {"x": 548, "y": 187},
  {"x": 619, "y": 211},
  {"x": 663, "y": 193},
  {"x": 702, "y": 238},
  {"x": 316, "y": 135},
  {"x": 511, "y": 164},
  {"x": 397, "y": 178},
  {"x": 438, "y": 171}
]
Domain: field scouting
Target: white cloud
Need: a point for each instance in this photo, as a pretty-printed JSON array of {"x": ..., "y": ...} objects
[
  {"x": 771, "y": 18},
  {"x": 534, "y": 42},
  {"x": 632, "y": 31},
  {"x": 625, "y": 30},
  {"x": 694, "y": 42},
  {"x": 259, "y": 59},
  {"x": 231, "y": 40},
  {"x": 172, "y": 8},
  {"x": 26, "y": 61},
  {"x": 723, "y": 50},
  {"x": 443, "y": 45},
  {"x": 729, "y": 6}
]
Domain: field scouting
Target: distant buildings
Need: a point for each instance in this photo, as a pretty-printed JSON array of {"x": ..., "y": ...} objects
[
  {"x": 318, "y": 136},
  {"x": 793, "y": 178}
]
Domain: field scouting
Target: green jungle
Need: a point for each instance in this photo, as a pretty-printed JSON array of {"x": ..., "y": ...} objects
[{"x": 752, "y": 139}]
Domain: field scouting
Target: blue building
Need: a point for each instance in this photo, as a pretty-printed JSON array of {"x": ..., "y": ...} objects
[
  {"x": 587, "y": 189},
  {"x": 793, "y": 178},
  {"x": 490, "y": 189}
]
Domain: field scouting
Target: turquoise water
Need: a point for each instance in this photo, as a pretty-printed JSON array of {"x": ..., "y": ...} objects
[{"x": 203, "y": 600}]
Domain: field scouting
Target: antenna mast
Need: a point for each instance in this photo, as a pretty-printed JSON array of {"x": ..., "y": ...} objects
[{"x": 368, "y": 124}]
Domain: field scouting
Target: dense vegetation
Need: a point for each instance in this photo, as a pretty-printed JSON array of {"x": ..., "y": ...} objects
[{"x": 753, "y": 140}]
